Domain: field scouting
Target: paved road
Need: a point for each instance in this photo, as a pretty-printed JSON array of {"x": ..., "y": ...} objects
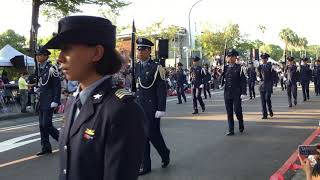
[{"x": 199, "y": 148}]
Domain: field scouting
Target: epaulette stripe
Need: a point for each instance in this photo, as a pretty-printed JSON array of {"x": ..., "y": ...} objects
[{"x": 121, "y": 93}]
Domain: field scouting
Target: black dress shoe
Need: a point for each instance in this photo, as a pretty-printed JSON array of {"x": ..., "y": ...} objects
[
  {"x": 179, "y": 103},
  {"x": 241, "y": 129},
  {"x": 271, "y": 114},
  {"x": 264, "y": 117},
  {"x": 143, "y": 171},
  {"x": 203, "y": 108},
  {"x": 230, "y": 133},
  {"x": 295, "y": 103},
  {"x": 290, "y": 105},
  {"x": 165, "y": 162},
  {"x": 195, "y": 111},
  {"x": 44, "y": 152}
]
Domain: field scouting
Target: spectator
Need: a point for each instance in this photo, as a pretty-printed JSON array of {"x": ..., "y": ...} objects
[
  {"x": 72, "y": 86},
  {"x": 312, "y": 173},
  {"x": 23, "y": 91}
]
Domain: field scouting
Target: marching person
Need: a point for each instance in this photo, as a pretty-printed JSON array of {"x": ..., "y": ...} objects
[
  {"x": 252, "y": 77},
  {"x": 235, "y": 89},
  {"x": 196, "y": 79},
  {"x": 103, "y": 134},
  {"x": 316, "y": 77},
  {"x": 49, "y": 90},
  {"x": 305, "y": 78},
  {"x": 206, "y": 81},
  {"x": 291, "y": 76},
  {"x": 265, "y": 75},
  {"x": 181, "y": 79},
  {"x": 151, "y": 95}
]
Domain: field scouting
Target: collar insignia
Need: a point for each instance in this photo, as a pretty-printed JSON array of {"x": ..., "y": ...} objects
[{"x": 97, "y": 96}]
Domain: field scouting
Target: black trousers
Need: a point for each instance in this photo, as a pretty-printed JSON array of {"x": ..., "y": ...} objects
[
  {"x": 180, "y": 92},
  {"x": 47, "y": 128},
  {"x": 266, "y": 101},
  {"x": 305, "y": 90},
  {"x": 283, "y": 84},
  {"x": 206, "y": 89},
  {"x": 155, "y": 137},
  {"x": 234, "y": 104},
  {"x": 316, "y": 87},
  {"x": 251, "y": 85},
  {"x": 292, "y": 92},
  {"x": 196, "y": 96}
]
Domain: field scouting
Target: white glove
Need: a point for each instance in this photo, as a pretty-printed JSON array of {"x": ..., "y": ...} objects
[
  {"x": 221, "y": 87},
  {"x": 284, "y": 79},
  {"x": 54, "y": 105},
  {"x": 243, "y": 96},
  {"x": 258, "y": 79},
  {"x": 35, "y": 89},
  {"x": 201, "y": 86},
  {"x": 160, "y": 114}
]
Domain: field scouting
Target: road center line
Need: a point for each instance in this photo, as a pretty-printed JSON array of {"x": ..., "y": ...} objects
[{"x": 23, "y": 160}]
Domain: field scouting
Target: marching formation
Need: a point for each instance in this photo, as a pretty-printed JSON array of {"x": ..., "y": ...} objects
[{"x": 119, "y": 125}]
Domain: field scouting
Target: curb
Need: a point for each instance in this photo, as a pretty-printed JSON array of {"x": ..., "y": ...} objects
[{"x": 290, "y": 163}]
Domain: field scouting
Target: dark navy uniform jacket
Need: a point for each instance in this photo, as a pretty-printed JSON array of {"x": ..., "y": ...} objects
[
  {"x": 196, "y": 76},
  {"x": 252, "y": 74},
  {"x": 50, "y": 86},
  {"x": 106, "y": 140},
  {"x": 234, "y": 80},
  {"x": 151, "y": 87},
  {"x": 305, "y": 73},
  {"x": 181, "y": 78},
  {"x": 265, "y": 73},
  {"x": 206, "y": 76},
  {"x": 291, "y": 74},
  {"x": 316, "y": 74}
]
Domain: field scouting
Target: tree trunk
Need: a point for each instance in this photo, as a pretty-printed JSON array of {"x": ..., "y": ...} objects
[{"x": 34, "y": 26}]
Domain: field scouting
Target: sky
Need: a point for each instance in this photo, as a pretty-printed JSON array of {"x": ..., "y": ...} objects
[{"x": 299, "y": 15}]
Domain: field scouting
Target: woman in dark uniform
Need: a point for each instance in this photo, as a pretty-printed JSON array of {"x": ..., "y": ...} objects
[{"x": 103, "y": 135}]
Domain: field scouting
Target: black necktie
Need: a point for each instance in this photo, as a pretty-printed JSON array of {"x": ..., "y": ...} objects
[
  {"x": 77, "y": 106},
  {"x": 78, "y": 103}
]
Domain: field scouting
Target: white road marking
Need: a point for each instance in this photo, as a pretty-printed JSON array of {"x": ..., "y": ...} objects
[
  {"x": 14, "y": 143},
  {"x": 18, "y": 141},
  {"x": 25, "y": 125}
]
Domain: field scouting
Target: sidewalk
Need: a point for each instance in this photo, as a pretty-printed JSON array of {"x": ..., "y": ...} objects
[{"x": 12, "y": 111}]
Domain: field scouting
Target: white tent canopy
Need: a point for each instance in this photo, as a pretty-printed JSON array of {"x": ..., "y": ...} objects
[{"x": 8, "y": 52}]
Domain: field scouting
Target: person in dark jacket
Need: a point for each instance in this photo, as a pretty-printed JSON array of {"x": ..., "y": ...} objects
[
  {"x": 206, "y": 81},
  {"x": 265, "y": 75},
  {"x": 103, "y": 134},
  {"x": 235, "y": 89},
  {"x": 291, "y": 75},
  {"x": 305, "y": 78},
  {"x": 181, "y": 80},
  {"x": 316, "y": 77},
  {"x": 252, "y": 77},
  {"x": 196, "y": 79},
  {"x": 49, "y": 90},
  {"x": 151, "y": 95}
]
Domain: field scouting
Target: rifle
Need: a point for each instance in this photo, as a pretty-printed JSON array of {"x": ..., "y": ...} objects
[
  {"x": 224, "y": 63},
  {"x": 133, "y": 39}
]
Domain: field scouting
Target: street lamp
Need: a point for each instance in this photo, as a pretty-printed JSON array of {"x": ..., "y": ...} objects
[
  {"x": 186, "y": 49},
  {"x": 190, "y": 44}
]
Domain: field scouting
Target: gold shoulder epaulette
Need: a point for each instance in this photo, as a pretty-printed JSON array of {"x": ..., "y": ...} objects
[{"x": 122, "y": 93}]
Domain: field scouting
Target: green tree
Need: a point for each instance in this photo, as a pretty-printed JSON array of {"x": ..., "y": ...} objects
[
  {"x": 56, "y": 8},
  {"x": 302, "y": 44},
  {"x": 15, "y": 40},
  {"x": 275, "y": 51},
  {"x": 287, "y": 36},
  {"x": 232, "y": 35}
]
